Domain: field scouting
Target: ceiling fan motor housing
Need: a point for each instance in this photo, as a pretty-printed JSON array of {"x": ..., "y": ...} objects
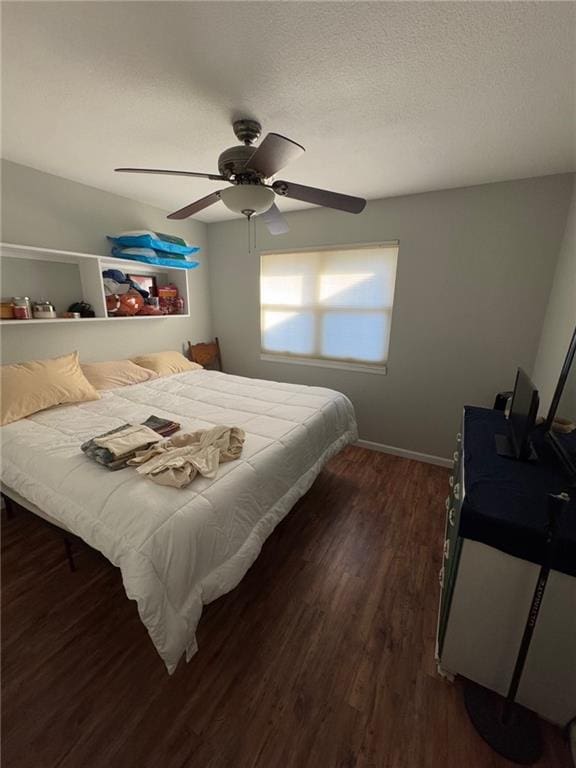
[{"x": 233, "y": 160}]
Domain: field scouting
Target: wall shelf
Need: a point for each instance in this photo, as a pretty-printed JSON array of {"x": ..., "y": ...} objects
[
  {"x": 88, "y": 268},
  {"x": 64, "y": 320}
]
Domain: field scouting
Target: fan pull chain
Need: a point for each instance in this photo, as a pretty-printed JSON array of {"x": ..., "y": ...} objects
[{"x": 251, "y": 235}]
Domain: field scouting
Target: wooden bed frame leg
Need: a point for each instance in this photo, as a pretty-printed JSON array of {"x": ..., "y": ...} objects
[{"x": 69, "y": 553}]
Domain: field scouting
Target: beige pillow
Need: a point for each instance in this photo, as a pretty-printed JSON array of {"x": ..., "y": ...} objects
[
  {"x": 165, "y": 363},
  {"x": 116, "y": 373},
  {"x": 31, "y": 387}
]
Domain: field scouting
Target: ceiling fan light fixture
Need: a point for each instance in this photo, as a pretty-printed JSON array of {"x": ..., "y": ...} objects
[{"x": 248, "y": 199}]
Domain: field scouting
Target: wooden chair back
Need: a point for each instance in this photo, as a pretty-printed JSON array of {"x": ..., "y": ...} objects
[{"x": 206, "y": 354}]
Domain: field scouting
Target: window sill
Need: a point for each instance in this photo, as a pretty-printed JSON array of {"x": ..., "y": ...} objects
[{"x": 380, "y": 370}]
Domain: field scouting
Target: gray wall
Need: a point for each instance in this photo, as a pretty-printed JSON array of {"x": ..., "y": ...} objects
[
  {"x": 45, "y": 210},
  {"x": 560, "y": 319},
  {"x": 474, "y": 273}
]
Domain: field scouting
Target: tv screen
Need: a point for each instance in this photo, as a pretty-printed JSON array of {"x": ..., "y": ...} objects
[
  {"x": 521, "y": 420},
  {"x": 523, "y": 411}
]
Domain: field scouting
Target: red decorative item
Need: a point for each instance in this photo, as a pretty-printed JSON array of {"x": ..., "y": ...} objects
[
  {"x": 112, "y": 303},
  {"x": 168, "y": 295},
  {"x": 147, "y": 309},
  {"x": 130, "y": 304}
]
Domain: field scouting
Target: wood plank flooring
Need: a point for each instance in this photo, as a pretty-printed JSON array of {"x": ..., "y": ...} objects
[{"x": 321, "y": 658}]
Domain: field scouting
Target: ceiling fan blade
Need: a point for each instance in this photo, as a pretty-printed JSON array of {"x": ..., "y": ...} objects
[
  {"x": 198, "y": 205},
  {"x": 275, "y": 222},
  {"x": 214, "y": 176},
  {"x": 319, "y": 196},
  {"x": 274, "y": 153}
]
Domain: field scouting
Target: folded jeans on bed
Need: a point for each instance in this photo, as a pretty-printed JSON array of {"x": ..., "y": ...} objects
[
  {"x": 177, "y": 461},
  {"x": 131, "y": 438},
  {"x": 102, "y": 455}
]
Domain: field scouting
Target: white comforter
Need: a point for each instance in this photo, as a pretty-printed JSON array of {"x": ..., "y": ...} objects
[{"x": 180, "y": 548}]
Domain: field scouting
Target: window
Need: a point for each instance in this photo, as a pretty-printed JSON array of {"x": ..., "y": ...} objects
[{"x": 328, "y": 307}]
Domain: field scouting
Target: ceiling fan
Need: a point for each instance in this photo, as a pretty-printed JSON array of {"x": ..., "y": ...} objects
[{"x": 247, "y": 168}]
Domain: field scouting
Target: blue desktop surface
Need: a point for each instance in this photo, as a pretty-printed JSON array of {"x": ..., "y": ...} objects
[{"x": 506, "y": 501}]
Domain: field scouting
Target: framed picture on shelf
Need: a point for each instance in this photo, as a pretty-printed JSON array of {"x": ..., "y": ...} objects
[{"x": 146, "y": 282}]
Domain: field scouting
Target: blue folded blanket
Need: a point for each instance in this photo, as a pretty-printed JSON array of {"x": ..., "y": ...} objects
[
  {"x": 150, "y": 256},
  {"x": 156, "y": 240}
]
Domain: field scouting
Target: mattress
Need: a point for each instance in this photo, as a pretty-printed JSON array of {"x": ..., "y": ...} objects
[{"x": 179, "y": 549}]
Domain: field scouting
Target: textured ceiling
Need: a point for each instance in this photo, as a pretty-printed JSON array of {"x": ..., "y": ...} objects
[{"x": 387, "y": 98}]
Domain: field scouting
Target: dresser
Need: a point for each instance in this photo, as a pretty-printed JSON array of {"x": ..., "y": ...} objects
[{"x": 496, "y": 516}]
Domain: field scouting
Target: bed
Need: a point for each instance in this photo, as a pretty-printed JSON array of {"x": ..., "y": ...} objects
[{"x": 179, "y": 549}]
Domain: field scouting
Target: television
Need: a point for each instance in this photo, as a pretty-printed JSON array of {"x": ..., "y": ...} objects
[
  {"x": 560, "y": 435},
  {"x": 521, "y": 420}
]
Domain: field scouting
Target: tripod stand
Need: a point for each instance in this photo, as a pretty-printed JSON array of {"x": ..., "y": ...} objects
[{"x": 512, "y": 730}]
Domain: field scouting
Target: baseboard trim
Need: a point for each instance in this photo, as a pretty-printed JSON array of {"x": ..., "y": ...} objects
[{"x": 405, "y": 454}]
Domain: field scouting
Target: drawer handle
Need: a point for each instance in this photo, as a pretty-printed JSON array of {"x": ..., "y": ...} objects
[
  {"x": 447, "y": 503},
  {"x": 451, "y": 517},
  {"x": 459, "y": 437},
  {"x": 451, "y": 481},
  {"x": 456, "y": 456},
  {"x": 457, "y": 491},
  {"x": 441, "y": 577},
  {"x": 447, "y": 549}
]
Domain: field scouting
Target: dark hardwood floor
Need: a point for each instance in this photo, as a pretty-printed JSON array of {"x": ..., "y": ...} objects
[{"x": 323, "y": 657}]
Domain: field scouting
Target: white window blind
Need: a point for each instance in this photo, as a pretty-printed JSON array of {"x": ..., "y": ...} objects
[{"x": 329, "y": 305}]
